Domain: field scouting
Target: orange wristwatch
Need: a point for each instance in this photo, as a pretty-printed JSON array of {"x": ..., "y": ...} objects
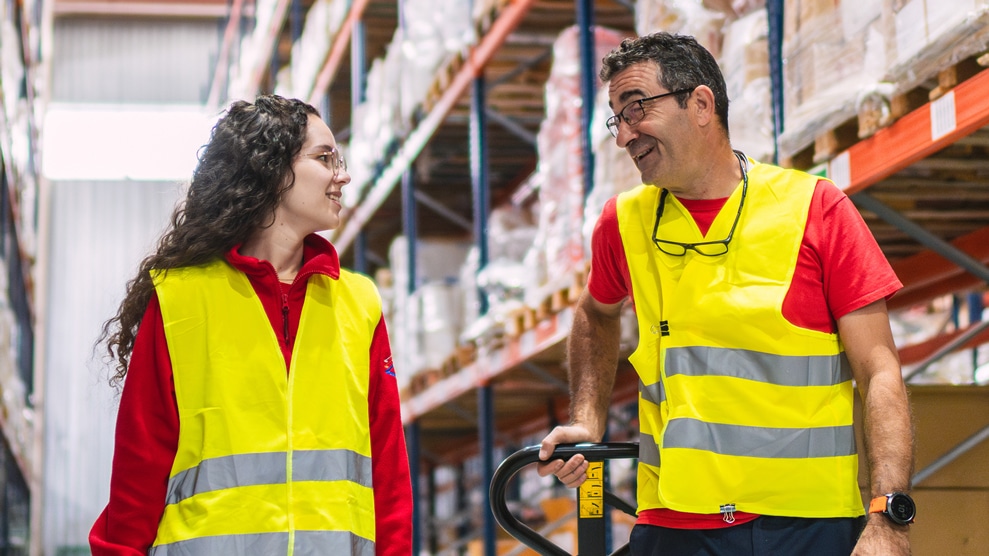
[{"x": 897, "y": 506}]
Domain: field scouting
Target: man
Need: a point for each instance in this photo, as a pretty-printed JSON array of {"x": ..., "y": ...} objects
[{"x": 760, "y": 294}]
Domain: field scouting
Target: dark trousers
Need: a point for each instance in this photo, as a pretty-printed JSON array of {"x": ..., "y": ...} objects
[{"x": 764, "y": 536}]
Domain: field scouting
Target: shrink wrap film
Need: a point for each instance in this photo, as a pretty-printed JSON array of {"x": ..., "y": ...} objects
[
  {"x": 833, "y": 55},
  {"x": 557, "y": 251},
  {"x": 745, "y": 65},
  {"x": 686, "y": 17},
  {"x": 426, "y": 324},
  {"x": 924, "y": 37}
]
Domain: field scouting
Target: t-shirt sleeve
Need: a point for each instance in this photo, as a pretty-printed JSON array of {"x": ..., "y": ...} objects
[
  {"x": 856, "y": 272},
  {"x": 608, "y": 280}
]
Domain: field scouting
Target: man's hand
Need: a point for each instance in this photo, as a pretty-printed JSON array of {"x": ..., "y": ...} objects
[
  {"x": 883, "y": 538},
  {"x": 572, "y": 472}
]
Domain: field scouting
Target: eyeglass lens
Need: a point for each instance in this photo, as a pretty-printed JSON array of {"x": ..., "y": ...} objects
[{"x": 633, "y": 112}]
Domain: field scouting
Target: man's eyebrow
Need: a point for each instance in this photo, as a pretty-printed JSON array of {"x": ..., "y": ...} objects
[{"x": 626, "y": 95}]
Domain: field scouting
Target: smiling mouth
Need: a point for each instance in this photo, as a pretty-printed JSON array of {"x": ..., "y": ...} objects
[{"x": 639, "y": 156}]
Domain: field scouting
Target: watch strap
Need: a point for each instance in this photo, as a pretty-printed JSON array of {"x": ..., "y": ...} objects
[{"x": 878, "y": 504}]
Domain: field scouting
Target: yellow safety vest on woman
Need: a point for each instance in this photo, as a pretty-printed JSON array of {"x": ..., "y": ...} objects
[
  {"x": 739, "y": 409},
  {"x": 268, "y": 462}
]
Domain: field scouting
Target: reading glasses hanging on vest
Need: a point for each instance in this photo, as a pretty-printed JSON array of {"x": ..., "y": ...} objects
[{"x": 706, "y": 248}]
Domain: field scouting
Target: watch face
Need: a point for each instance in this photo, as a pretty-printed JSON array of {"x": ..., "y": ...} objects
[{"x": 901, "y": 508}]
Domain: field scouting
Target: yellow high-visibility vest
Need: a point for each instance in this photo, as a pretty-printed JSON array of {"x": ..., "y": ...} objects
[
  {"x": 739, "y": 409},
  {"x": 268, "y": 462}
]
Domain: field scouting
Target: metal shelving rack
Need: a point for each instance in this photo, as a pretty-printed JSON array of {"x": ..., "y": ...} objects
[{"x": 19, "y": 185}]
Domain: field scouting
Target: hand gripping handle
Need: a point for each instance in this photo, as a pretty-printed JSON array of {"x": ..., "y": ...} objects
[{"x": 527, "y": 456}]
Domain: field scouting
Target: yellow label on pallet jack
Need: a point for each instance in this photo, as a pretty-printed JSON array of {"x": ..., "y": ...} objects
[{"x": 592, "y": 491}]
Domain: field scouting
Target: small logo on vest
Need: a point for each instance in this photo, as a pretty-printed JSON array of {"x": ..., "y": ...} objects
[{"x": 389, "y": 366}]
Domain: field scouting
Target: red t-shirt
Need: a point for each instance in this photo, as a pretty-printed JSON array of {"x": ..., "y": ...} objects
[
  {"x": 840, "y": 268},
  {"x": 148, "y": 421}
]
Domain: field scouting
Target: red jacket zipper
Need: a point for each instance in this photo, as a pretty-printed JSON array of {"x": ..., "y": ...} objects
[{"x": 285, "y": 316}]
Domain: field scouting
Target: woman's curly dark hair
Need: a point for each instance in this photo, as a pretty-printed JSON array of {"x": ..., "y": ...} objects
[{"x": 240, "y": 178}]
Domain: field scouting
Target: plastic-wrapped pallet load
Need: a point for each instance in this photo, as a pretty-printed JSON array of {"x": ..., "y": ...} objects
[
  {"x": 614, "y": 171},
  {"x": 435, "y": 31},
  {"x": 425, "y": 326},
  {"x": 924, "y": 37},
  {"x": 833, "y": 56},
  {"x": 558, "y": 245},
  {"x": 744, "y": 62},
  {"x": 440, "y": 321},
  {"x": 309, "y": 52},
  {"x": 686, "y": 17},
  {"x": 377, "y": 121},
  {"x": 502, "y": 281}
]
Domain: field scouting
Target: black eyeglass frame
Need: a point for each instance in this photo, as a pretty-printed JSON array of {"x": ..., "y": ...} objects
[
  {"x": 694, "y": 246},
  {"x": 613, "y": 122}
]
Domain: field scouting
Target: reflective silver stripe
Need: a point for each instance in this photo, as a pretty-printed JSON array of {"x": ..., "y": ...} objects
[
  {"x": 784, "y": 370},
  {"x": 267, "y": 469},
  {"x": 227, "y": 472},
  {"x": 648, "y": 449},
  {"x": 653, "y": 393},
  {"x": 273, "y": 544},
  {"x": 763, "y": 442},
  {"x": 331, "y": 465},
  {"x": 307, "y": 543},
  {"x": 335, "y": 543}
]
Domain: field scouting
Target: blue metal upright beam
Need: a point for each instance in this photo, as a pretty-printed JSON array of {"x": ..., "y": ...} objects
[
  {"x": 479, "y": 186},
  {"x": 358, "y": 71},
  {"x": 409, "y": 227},
  {"x": 485, "y": 414},
  {"x": 479, "y": 174},
  {"x": 358, "y": 63},
  {"x": 295, "y": 20},
  {"x": 774, "y": 9},
  {"x": 412, "y": 444},
  {"x": 588, "y": 84},
  {"x": 412, "y": 430},
  {"x": 409, "y": 215}
]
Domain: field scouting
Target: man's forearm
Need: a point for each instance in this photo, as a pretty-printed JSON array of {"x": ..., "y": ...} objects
[
  {"x": 593, "y": 357},
  {"x": 888, "y": 434}
]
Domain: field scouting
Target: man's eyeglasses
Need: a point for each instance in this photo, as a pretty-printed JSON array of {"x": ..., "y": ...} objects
[
  {"x": 332, "y": 159},
  {"x": 706, "y": 248},
  {"x": 633, "y": 112}
]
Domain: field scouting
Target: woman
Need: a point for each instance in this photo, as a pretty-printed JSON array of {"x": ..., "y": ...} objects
[{"x": 260, "y": 405}]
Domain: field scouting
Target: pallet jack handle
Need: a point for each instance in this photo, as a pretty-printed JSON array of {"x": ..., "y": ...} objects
[{"x": 591, "y": 497}]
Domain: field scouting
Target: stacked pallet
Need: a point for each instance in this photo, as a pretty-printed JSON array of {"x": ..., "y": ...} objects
[{"x": 853, "y": 67}]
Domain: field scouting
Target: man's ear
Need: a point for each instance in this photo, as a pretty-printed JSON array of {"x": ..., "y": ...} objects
[{"x": 703, "y": 105}]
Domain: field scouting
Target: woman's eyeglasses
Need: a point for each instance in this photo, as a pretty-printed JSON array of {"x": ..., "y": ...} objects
[
  {"x": 332, "y": 159},
  {"x": 633, "y": 112},
  {"x": 706, "y": 248}
]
